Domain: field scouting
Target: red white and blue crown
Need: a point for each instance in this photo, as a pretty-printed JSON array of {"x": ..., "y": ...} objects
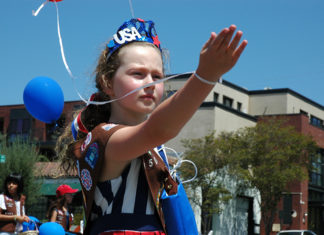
[{"x": 133, "y": 30}]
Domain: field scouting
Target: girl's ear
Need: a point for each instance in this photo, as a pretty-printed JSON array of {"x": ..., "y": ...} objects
[{"x": 107, "y": 86}]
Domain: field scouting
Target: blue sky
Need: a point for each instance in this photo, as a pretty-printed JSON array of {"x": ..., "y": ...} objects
[{"x": 285, "y": 50}]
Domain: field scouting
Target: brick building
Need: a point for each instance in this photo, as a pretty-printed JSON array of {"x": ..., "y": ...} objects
[
  {"x": 302, "y": 205},
  {"x": 15, "y": 120}
]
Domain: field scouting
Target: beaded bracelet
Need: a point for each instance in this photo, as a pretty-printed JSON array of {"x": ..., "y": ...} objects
[{"x": 204, "y": 80}]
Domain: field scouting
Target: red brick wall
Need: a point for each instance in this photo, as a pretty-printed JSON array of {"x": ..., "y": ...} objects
[
  {"x": 301, "y": 123},
  {"x": 5, "y": 113},
  {"x": 39, "y": 128}
]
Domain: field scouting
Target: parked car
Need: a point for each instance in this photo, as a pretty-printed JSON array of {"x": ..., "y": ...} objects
[{"x": 296, "y": 232}]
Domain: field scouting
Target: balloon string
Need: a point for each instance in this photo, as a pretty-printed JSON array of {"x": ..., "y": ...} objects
[
  {"x": 137, "y": 89},
  {"x": 178, "y": 165},
  {"x": 63, "y": 54},
  {"x": 61, "y": 43},
  {"x": 131, "y": 8},
  {"x": 131, "y": 92},
  {"x": 35, "y": 13}
]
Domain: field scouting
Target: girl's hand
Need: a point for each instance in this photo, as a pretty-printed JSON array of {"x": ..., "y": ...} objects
[
  {"x": 220, "y": 54},
  {"x": 22, "y": 219}
]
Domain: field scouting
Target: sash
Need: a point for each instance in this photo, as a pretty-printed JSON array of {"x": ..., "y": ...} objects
[
  {"x": 90, "y": 155},
  {"x": 11, "y": 210}
]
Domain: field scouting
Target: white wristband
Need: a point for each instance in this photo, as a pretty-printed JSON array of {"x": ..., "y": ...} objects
[{"x": 204, "y": 80}]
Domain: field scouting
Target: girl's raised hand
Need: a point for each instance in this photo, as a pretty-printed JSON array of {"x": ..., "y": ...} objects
[{"x": 220, "y": 53}]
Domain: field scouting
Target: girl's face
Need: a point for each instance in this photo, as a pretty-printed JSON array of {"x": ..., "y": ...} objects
[
  {"x": 68, "y": 198},
  {"x": 12, "y": 187},
  {"x": 140, "y": 65}
]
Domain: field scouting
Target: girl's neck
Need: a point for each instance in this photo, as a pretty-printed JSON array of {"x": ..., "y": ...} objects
[
  {"x": 14, "y": 197},
  {"x": 130, "y": 120}
]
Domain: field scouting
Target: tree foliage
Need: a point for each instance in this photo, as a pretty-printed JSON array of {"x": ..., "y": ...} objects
[
  {"x": 207, "y": 190},
  {"x": 268, "y": 157},
  {"x": 21, "y": 156}
]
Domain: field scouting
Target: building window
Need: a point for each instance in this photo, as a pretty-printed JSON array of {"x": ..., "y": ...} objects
[
  {"x": 239, "y": 106},
  {"x": 1, "y": 125},
  {"x": 316, "y": 121},
  {"x": 303, "y": 112},
  {"x": 316, "y": 177},
  {"x": 20, "y": 124},
  {"x": 19, "y": 127},
  {"x": 227, "y": 101},
  {"x": 216, "y": 97}
]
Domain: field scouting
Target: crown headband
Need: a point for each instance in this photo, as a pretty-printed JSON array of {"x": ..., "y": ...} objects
[{"x": 133, "y": 30}]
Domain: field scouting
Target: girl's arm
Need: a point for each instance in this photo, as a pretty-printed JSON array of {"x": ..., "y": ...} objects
[
  {"x": 53, "y": 216},
  {"x": 217, "y": 56},
  {"x": 11, "y": 218},
  {"x": 8, "y": 218},
  {"x": 14, "y": 218}
]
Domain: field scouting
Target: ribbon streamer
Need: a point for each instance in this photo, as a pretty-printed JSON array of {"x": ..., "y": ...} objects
[
  {"x": 131, "y": 8},
  {"x": 35, "y": 13},
  {"x": 61, "y": 43},
  {"x": 178, "y": 164}
]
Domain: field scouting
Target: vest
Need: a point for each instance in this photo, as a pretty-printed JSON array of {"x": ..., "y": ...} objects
[
  {"x": 90, "y": 153},
  {"x": 61, "y": 218},
  {"x": 8, "y": 226}
]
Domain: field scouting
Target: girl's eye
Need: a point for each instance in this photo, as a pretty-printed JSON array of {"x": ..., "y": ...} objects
[
  {"x": 137, "y": 74},
  {"x": 157, "y": 76}
]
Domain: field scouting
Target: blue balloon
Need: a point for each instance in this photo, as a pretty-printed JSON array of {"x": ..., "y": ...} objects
[
  {"x": 31, "y": 226},
  {"x": 51, "y": 228},
  {"x": 44, "y": 100},
  {"x": 33, "y": 219}
]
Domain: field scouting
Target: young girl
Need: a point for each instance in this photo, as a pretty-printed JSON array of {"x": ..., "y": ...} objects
[
  {"x": 114, "y": 149},
  {"x": 12, "y": 205},
  {"x": 59, "y": 210}
]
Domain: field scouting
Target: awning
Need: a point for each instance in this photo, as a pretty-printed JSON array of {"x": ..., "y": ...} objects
[{"x": 49, "y": 186}]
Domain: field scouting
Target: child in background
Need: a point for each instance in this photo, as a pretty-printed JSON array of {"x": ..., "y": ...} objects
[
  {"x": 120, "y": 198},
  {"x": 12, "y": 205},
  {"x": 59, "y": 210}
]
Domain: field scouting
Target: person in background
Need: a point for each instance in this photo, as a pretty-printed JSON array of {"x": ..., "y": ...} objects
[
  {"x": 12, "y": 205},
  {"x": 59, "y": 210}
]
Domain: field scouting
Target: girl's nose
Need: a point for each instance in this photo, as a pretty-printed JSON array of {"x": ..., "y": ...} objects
[{"x": 149, "y": 79}]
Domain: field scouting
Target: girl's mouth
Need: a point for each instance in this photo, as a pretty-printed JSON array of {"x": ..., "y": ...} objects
[{"x": 147, "y": 97}]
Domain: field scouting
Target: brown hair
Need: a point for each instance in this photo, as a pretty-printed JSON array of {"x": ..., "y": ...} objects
[
  {"x": 56, "y": 204},
  {"x": 92, "y": 115}
]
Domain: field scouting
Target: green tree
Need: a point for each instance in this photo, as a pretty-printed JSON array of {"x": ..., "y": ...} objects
[
  {"x": 268, "y": 157},
  {"x": 207, "y": 190},
  {"x": 21, "y": 156}
]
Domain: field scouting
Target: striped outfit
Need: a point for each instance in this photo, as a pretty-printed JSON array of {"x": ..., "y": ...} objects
[
  {"x": 128, "y": 204},
  {"x": 125, "y": 203}
]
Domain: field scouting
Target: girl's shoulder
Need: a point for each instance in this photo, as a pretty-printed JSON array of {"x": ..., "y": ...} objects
[
  {"x": 4, "y": 197},
  {"x": 58, "y": 210},
  {"x": 2, "y": 202}
]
